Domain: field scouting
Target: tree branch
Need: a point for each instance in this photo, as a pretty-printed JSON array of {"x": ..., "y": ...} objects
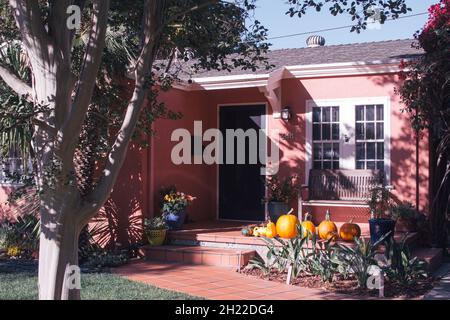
[
  {"x": 27, "y": 15},
  {"x": 15, "y": 83},
  {"x": 86, "y": 83},
  {"x": 153, "y": 20}
]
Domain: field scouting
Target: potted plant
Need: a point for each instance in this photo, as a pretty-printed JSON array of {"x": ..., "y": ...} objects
[
  {"x": 174, "y": 205},
  {"x": 380, "y": 223},
  {"x": 406, "y": 216},
  {"x": 280, "y": 193},
  {"x": 155, "y": 230}
]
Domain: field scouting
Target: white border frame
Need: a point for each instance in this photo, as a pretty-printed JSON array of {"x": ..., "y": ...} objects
[
  {"x": 266, "y": 120},
  {"x": 349, "y": 103}
]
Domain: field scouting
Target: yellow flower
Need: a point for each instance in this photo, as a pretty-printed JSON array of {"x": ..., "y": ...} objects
[{"x": 13, "y": 251}]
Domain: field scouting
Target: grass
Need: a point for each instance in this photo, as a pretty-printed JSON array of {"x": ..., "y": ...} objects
[{"x": 22, "y": 285}]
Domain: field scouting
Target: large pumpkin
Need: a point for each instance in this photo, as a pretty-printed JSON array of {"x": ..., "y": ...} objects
[
  {"x": 349, "y": 231},
  {"x": 308, "y": 226},
  {"x": 327, "y": 228},
  {"x": 287, "y": 225}
]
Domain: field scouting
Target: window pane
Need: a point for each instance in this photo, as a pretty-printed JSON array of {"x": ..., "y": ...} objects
[
  {"x": 370, "y": 131},
  {"x": 380, "y": 130},
  {"x": 316, "y": 114},
  {"x": 380, "y": 113},
  {"x": 370, "y": 113},
  {"x": 380, "y": 165},
  {"x": 335, "y": 151},
  {"x": 335, "y": 164},
  {"x": 326, "y": 114},
  {"x": 317, "y": 151},
  {"x": 335, "y": 132},
  {"x": 317, "y": 165},
  {"x": 316, "y": 132},
  {"x": 360, "y": 151},
  {"x": 360, "y": 165},
  {"x": 327, "y": 151},
  {"x": 326, "y": 132},
  {"x": 370, "y": 165},
  {"x": 359, "y": 113},
  {"x": 327, "y": 165},
  {"x": 335, "y": 112},
  {"x": 370, "y": 150},
  {"x": 360, "y": 131},
  {"x": 380, "y": 150}
]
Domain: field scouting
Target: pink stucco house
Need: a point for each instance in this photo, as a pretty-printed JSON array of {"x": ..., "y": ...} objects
[{"x": 344, "y": 115}]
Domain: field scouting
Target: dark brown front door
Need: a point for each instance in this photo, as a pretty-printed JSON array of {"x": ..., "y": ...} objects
[{"x": 241, "y": 186}]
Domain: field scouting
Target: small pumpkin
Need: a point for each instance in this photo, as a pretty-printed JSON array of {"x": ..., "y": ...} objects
[
  {"x": 349, "y": 231},
  {"x": 308, "y": 226},
  {"x": 287, "y": 225},
  {"x": 271, "y": 230},
  {"x": 327, "y": 228},
  {"x": 247, "y": 232}
]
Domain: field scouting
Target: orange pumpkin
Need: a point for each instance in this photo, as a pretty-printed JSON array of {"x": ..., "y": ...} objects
[
  {"x": 287, "y": 225},
  {"x": 271, "y": 230},
  {"x": 349, "y": 231},
  {"x": 308, "y": 226},
  {"x": 327, "y": 228}
]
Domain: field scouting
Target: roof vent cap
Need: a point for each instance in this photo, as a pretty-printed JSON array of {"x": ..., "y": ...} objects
[{"x": 315, "y": 41}]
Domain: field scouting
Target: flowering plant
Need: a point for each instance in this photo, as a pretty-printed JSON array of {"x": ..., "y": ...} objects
[
  {"x": 281, "y": 190},
  {"x": 175, "y": 201}
]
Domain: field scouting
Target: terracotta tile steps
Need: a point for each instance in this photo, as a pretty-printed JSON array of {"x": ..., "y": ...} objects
[{"x": 211, "y": 256}]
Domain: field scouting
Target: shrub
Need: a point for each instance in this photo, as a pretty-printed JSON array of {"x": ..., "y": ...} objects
[{"x": 401, "y": 268}]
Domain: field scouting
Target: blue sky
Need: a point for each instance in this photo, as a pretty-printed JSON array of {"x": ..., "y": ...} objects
[{"x": 272, "y": 15}]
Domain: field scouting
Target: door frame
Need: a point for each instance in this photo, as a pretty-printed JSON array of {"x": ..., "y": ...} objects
[
  {"x": 266, "y": 118},
  {"x": 348, "y": 103}
]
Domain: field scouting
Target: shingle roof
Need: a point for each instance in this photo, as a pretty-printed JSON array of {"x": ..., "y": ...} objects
[{"x": 386, "y": 51}]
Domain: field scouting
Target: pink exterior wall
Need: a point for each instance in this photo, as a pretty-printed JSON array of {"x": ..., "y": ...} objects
[
  {"x": 201, "y": 180},
  {"x": 146, "y": 171}
]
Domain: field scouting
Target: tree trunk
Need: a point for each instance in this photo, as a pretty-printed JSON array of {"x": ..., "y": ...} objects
[
  {"x": 441, "y": 202},
  {"x": 59, "y": 276}
]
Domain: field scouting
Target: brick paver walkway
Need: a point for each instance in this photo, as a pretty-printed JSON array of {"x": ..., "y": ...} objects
[{"x": 217, "y": 283}]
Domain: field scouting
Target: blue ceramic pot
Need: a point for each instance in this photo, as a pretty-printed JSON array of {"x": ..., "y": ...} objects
[
  {"x": 175, "y": 220},
  {"x": 380, "y": 227},
  {"x": 277, "y": 209}
]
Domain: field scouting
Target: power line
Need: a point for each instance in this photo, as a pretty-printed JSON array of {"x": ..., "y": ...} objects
[{"x": 339, "y": 28}]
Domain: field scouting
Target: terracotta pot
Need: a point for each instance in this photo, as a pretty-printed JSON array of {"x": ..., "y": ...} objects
[{"x": 405, "y": 225}]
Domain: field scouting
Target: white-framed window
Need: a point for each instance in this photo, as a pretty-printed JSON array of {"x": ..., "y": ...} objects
[
  {"x": 363, "y": 137},
  {"x": 369, "y": 139},
  {"x": 325, "y": 137}
]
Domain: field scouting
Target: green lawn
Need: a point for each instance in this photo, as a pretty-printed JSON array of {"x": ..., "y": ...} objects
[{"x": 22, "y": 285}]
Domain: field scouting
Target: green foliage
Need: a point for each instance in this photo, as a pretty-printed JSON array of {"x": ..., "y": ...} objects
[
  {"x": 22, "y": 233},
  {"x": 155, "y": 223},
  {"x": 357, "y": 260},
  {"x": 281, "y": 190},
  {"x": 358, "y": 11},
  {"x": 405, "y": 210},
  {"x": 401, "y": 267},
  {"x": 380, "y": 202}
]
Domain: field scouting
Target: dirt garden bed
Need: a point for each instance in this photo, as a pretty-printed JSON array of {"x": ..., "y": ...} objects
[{"x": 346, "y": 286}]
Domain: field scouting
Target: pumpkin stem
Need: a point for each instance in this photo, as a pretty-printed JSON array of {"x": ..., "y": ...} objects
[
  {"x": 351, "y": 220},
  {"x": 327, "y": 215},
  {"x": 290, "y": 211},
  {"x": 307, "y": 216}
]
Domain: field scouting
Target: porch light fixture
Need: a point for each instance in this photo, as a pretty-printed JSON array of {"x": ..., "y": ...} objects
[{"x": 286, "y": 114}]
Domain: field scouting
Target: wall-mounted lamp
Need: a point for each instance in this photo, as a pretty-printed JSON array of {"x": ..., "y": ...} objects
[{"x": 286, "y": 114}]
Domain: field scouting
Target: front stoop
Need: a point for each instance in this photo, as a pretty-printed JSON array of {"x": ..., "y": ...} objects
[{"x": 211, "y": 256}]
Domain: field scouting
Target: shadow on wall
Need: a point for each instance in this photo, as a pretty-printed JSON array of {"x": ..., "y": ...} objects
[
  {"x": 403, "y": 151},
  {"x": 120, "y": 222}
]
